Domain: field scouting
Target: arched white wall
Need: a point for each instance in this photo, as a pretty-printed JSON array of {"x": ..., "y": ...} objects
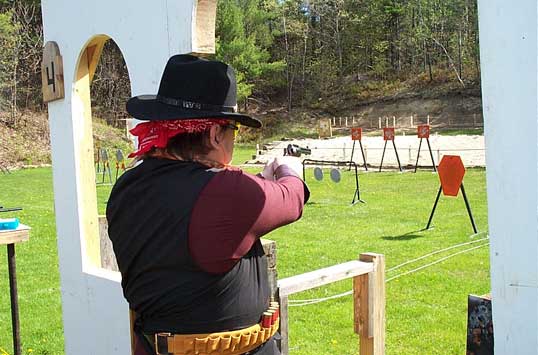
[
  {"x": 95, "y": 315},
  {"x": 508, "y": 51}
]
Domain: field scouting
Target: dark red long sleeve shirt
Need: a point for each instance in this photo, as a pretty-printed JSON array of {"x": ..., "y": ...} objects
[{"x": 235, "y": 209}]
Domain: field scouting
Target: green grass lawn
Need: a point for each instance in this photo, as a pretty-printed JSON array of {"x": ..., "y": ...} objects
[{"x": 426, "y": 310}]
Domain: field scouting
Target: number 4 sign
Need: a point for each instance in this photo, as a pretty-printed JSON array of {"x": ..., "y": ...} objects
[{"x": 52, "y": 75}]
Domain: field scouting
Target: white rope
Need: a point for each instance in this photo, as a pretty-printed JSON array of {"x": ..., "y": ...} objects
[
  {"x": 408, "y": 262},
  {"x": 438, "y": 251},
  {"x": 319, "y": 300},
  {"x": 436, "y": 262},
  {"x": 299, "y": 303}
]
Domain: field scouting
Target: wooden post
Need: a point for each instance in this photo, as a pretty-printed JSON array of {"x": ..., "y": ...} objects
[
  {"x": 269, "y": 248},
  {"x": 394, "y": 121},
  {"x": 346, "y": 121},
  {"x": 428, "y": 121},
  {"x": 340, "y": 121},
  {"x": 411, "y": 121},
  {"x": 284, "y": 331},
  {"x": 369, "y": 306},
  {"x": 132, "y": 319},
  {"x": 108, "y": 258}
]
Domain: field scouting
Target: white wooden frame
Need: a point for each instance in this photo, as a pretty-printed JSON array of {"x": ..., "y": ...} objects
[{"x": 95, "y": 314}]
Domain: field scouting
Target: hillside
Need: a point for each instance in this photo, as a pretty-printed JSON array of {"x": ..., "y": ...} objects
[
  {"x": 27, "y": 142},
  {"x": 449, "y": 107}
]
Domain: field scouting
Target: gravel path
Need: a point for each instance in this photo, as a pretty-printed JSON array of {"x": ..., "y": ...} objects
[{"x": 470, "y": 148}]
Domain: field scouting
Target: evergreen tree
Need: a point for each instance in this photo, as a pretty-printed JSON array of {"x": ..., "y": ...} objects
[{"x": 244, "y": 37}]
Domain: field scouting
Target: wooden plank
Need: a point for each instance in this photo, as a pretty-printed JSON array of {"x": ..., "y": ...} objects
[
  {"x": 269, "y": 248},
  {"x": 84, "y": 158},
  {"x": 21, "y": 234},
  {"x": 360, "y": 305},
  {"x": 372, "y": 336},
  {"x": 204, "y": 36},
  {"x": 132, "y": 319},
  {"x": 108, "y": 258},
  {"x": 93, "y": 52},
  {"x": 361, "y": 314},
  {"x": 322, "y": 277},
  {"x": 284, "y": 330},
  {"x": 52, "y": 73}
]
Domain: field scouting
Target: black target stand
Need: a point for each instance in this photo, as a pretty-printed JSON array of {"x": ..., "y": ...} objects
[
  {"x": 363, "y": 156},
  {"x": 431, "y": 154},
  {"x": 423, "y": 132},
  {"x": 357, "y": 194},
  {"x": 467, "y": 205},
  {"x": 388, "y": 135}
]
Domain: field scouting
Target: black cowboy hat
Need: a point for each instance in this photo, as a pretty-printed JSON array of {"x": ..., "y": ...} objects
[{"x": 191, "y": 88}]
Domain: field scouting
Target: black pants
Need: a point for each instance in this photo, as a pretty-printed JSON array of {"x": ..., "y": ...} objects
[{"x": 268, "y": 348}]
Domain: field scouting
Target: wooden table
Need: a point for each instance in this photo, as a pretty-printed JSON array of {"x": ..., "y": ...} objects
[{"x": 10, "y": 238}]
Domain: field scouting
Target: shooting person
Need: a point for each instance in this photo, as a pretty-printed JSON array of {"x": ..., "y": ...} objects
[{"x": 185, "y": 225}]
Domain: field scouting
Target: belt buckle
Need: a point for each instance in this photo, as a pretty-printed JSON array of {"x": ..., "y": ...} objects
[{"x": 161, "y": 343}]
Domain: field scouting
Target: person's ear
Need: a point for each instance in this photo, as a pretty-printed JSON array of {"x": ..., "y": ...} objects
[{"x": 215, "y": 136}]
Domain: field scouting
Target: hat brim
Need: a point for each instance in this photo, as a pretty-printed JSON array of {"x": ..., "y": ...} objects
[{"x": 147, "y": 108}]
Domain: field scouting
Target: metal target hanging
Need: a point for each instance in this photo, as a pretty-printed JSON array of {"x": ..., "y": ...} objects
[
  {"x": 335, "y": 175},
  {"x": 318, "y": 173}
]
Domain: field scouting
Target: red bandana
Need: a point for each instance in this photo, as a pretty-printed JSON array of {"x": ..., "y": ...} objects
[{"x": 158, "y": 133}]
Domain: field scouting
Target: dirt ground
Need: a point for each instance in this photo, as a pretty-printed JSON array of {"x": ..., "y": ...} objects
[{"x": 471, "y": 148}]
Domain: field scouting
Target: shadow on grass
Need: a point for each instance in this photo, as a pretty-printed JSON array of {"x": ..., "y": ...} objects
[{"x": 406, "y": 236}]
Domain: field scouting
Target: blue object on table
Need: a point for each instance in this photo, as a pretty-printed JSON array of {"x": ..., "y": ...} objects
[{"x": 9, "y": 223}]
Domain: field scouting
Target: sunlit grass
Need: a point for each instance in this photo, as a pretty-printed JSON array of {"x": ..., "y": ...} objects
[{"x": 426, "y": 310}]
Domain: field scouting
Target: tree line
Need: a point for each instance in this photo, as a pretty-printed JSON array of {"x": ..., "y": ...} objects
[{"x": 296, "y": 53}]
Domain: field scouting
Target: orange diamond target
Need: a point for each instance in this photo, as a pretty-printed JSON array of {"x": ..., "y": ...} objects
[
  {"x": 388, "y": 133},
  {"x": 356, "y": 134},
  {"x": 451, "y": 172},
  {"x": 423, "y": 131}
]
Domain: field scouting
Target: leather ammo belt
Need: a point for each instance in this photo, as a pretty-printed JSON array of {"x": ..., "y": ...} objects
[{"x": 226, "y": 343}]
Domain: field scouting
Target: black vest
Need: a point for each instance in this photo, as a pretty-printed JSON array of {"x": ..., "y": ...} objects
[{"x": 148, "y": 214}]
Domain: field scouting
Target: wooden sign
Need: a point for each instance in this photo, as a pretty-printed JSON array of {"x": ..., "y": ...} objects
[
  {"x": 356, "y": 134},
  {"x": 388, "y": 133},
  {"x": 451, "y": 172},
  {"x": 423, "y": 131},
  {"x": 52, "y": 74},
  {"x": 325, "y": 128}
]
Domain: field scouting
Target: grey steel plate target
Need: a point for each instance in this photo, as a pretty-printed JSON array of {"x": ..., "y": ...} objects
[
  {"x": 318, "y": 173},
  {"x": 335, "y": 175},
  {"x": 119, "y": 155}
]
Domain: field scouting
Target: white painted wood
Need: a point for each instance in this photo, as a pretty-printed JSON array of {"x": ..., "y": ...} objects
[
  {"x": 95, "y": 315},
  {"x": 322, "y": 277},
  {"x": 508, "y": 50}
]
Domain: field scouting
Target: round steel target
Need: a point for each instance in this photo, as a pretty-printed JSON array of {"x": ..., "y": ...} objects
[
  {"x": 335, "y": 175},
  {"x": 318, "y": 173}
]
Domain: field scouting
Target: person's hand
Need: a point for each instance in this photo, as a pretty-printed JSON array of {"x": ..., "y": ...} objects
[
  {"x": 293, "y": 163},
  {"x": 268, "y": 172}
]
